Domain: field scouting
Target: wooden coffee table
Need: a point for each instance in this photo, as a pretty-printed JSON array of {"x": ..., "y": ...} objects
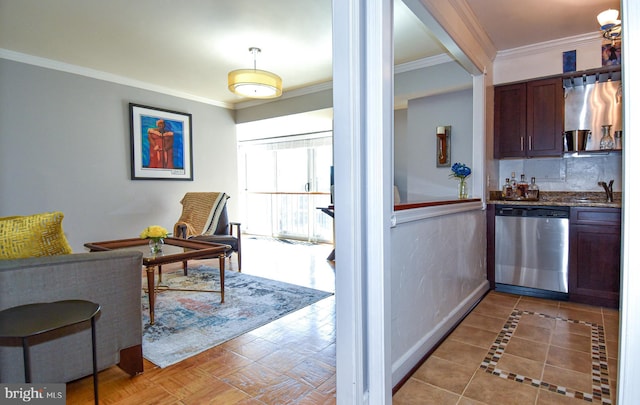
[{"x": 175, "y": 250}]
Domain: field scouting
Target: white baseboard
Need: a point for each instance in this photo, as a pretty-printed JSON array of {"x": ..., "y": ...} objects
[{"x": 403, "y": 366}]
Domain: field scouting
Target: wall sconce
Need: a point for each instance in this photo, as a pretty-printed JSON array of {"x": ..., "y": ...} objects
[
  {"x": 443, "y": 146},
  {"x": 610, "y": 25}
]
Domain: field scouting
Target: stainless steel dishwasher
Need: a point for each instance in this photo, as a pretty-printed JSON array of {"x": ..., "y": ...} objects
[{"x": 532, "y": 250}]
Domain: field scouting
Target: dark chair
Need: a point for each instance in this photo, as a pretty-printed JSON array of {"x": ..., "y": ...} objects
[{"x": 204, "y": 218}]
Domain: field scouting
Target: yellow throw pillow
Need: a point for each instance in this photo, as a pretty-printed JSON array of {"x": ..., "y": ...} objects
[{"x": 32, "y": 236}]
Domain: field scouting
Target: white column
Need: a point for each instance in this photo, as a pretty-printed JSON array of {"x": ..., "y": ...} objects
[
  {"x": 629, "y": 356},
  {"x": 363, "y": 107}
]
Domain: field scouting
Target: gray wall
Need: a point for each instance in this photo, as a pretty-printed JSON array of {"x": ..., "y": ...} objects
[
  {"x": 442, "y": 77},
  {"x": 286, "y": 106},
  {"x": 424, "y": 180},
  {"x": 65, "y": 146},
  {"x": 428, "y": 81},
  {"x": 401, "y": 149}
]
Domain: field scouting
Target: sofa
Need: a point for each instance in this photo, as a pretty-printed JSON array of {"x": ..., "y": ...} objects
[{"x": 112, "y": 279}]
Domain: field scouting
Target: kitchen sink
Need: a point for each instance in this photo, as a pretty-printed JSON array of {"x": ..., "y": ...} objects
[
  {"x": 584, "y": 198},
  {"x": 590, "y": 199},
  {"x": 577, "y": 199}
]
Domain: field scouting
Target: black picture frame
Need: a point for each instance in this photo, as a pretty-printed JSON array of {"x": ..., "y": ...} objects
[{"x": 161, "y": 144}]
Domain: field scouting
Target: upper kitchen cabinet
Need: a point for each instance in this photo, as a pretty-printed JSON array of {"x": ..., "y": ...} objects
[
  {"x": 510, "y": 120},
  {"x": 529, "y": 119}
]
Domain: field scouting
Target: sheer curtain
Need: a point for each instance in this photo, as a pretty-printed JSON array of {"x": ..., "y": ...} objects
[{"x": 285, "y": 179}]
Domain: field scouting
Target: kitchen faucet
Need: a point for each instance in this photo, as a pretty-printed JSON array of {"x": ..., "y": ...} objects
[{"x": 607, "y": 189}]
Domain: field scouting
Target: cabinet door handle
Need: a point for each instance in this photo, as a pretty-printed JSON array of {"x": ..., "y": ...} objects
[
  {"x": 529, "y": 142},
  {"x": 521, "y": 143}
]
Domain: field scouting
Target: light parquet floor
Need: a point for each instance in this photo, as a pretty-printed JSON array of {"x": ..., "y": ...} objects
[{"x": 291, "y": 360}]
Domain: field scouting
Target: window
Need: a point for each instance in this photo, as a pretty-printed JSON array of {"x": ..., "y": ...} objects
[{"x": 285, "y": 180}]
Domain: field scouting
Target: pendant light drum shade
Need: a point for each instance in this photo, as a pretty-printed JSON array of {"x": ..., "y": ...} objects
[{"x": 255, "y": 83}]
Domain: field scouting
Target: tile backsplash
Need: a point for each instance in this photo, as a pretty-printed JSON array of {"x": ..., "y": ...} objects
[{"x": 570, "y": 173}]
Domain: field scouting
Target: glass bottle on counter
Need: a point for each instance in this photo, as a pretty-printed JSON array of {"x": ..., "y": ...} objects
[
  {"x": 514, "y": 184},
  {"x": 606, "y": 142},
  {"x": 522, "y": 187},
  {"x": 507, "y": 190},
  {"x": 534, "y": 191}
]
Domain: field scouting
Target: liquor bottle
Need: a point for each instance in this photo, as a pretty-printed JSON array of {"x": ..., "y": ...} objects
[
  {"x": 534, "y": 191},
  {"x": 522, "y": 187},
  {"x": 507, "y": 190}
]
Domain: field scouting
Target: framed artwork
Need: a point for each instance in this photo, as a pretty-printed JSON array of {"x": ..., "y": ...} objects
[
  {"x": 161, "y": 146},
  {"x": 569, "y": 61},
  {"x": 611, "y": 53}
]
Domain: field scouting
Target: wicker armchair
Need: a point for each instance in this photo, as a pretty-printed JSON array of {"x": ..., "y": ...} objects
[{"x": 204, "y": 218}]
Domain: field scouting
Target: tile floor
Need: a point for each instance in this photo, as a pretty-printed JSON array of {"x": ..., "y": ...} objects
[
  {"x": 508, "y": 350},
  {"x": 519, "y": 350}
]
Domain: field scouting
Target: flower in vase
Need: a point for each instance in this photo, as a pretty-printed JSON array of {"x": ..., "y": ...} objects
[
  {"x": 460, "y": 171},
  {"x": 155, "y": 232}
]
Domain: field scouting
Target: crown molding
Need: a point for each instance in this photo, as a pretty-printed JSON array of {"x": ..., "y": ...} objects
[
  {"x": 423, "y": 63},
  {"x": 100, "y": 75},
  {"x": 542, "y": 47},
  {"x": 473, "y": 26},
  {"x": 464, "y": 37}
]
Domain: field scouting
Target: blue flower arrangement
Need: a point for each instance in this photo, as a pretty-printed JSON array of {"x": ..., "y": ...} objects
[{"x": 460, "y": 171}]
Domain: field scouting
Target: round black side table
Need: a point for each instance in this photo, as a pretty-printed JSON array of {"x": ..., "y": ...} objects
[{"x": 30, "y": 320}]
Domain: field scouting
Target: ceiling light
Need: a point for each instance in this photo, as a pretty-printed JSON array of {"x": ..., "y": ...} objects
[
  {"x": 609, "y": 24},
  {"x": 255, "y": 83}
]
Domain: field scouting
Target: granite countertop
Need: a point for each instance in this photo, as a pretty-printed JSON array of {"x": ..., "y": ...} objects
[{"x": 563, "y": 198}]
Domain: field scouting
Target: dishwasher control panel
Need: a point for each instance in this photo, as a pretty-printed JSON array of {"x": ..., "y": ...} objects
[{"x": 532, "y": 211}]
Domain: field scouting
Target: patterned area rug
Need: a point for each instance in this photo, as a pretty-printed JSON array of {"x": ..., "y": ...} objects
[{"x": 188, "y": 323}]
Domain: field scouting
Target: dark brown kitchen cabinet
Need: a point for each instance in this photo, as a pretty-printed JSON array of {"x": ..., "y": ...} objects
[
  {"x": 529, "y": 119},
  {"x": 510, "y": 120},
  {"x": 594, "y": 256}
]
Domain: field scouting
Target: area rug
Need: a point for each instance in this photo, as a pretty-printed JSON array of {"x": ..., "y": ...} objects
[{"x": 188, "y": 323}]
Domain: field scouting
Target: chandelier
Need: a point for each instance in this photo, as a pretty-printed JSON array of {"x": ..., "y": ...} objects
[
  {"x": 254, "y": 83},
  {"x": 610, "y": 25}
]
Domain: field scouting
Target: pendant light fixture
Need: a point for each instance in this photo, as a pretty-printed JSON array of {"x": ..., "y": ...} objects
[{"x": 255, "y": 83}]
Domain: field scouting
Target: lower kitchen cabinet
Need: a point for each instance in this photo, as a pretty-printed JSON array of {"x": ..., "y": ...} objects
[{"x": 594, "y": 256}]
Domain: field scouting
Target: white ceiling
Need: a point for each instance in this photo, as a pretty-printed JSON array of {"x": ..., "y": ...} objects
[
  {"x": 189, "y": 46},
  {"x": 515, "y": 23}
]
